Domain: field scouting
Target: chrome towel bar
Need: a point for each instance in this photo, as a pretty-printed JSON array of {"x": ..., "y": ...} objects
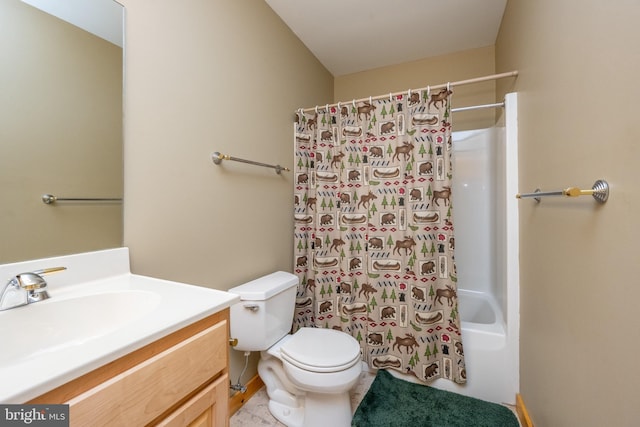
[
  {"x": 49, "y": 199},
  {"x": 599, "y": 191},
  {"x": 218, "y": 158}
]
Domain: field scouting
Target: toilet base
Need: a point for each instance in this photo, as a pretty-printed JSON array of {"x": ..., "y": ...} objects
[
  {"x": 317, "y": 415},
  {"x": 295, "y": 407},
  {"x": 314, "y": 413},
  {"x": 291, "y": 417}
]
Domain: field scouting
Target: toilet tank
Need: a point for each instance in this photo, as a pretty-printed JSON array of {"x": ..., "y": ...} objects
[{"x": 265, "y": 311}]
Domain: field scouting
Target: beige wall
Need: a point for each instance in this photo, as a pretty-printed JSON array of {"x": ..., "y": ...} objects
[
  {"x": 204, "y": 76},
  {"x": 578, "y": 121},
  {"x": 431, "y": 71},
  {"x": 61, "y": 133}
]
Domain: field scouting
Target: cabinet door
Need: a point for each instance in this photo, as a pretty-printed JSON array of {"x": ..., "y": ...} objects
[
  {"x": 206, "y": 409},
  {"x": 144, "y": 392}
]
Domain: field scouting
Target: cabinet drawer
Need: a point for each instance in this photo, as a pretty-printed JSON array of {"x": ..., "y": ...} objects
[
  {"x": 207, "y": 408},
  {"x": 142, "y": 393}
]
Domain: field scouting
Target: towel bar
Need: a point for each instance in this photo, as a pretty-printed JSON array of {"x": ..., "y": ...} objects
[
  {"x": 218, "y": 158},
  {"x": 599, "y": 191},
  {"x": 49, "y": 199}
]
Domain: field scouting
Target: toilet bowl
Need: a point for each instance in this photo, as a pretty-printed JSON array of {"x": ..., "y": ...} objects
[{"x": 308, "y": 374}]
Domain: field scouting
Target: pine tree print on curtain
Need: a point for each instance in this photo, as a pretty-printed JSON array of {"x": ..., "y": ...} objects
[{"x": 374, "y": 244}]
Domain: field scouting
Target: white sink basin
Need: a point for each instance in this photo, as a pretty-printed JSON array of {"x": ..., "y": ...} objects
[
  {"x": 55, "y": 324},
  {"x": 97, "y": 312}
]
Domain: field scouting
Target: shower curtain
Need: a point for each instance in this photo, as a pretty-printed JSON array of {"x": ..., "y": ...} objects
[{"x": 373, "y": 238}]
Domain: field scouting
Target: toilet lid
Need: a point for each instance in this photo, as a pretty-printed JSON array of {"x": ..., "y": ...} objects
[{"x": 321, "y": 350}]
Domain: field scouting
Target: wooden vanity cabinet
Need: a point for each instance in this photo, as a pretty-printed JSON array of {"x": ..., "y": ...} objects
[{"x": 179, "y": 380}]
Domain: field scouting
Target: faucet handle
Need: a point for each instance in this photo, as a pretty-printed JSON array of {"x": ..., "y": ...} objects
[
  {"x": 45, "y": 271},
  {"x": 33, "y": 280}
]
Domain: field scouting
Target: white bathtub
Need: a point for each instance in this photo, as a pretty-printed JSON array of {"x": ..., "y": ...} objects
[
  {"x": 479, "y": 311},
  {"x": 485, "y": 349},
  {"x": 484, "y": 337}
]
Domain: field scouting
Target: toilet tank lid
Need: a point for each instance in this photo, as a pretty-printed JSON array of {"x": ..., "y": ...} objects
[{"x": 265, "y": 287}]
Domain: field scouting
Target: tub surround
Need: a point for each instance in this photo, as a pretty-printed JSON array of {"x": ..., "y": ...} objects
[{"x": 153, "y": 309}]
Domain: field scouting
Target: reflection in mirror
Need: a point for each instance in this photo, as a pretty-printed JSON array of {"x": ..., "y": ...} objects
[{"x": 60, "y": 133}]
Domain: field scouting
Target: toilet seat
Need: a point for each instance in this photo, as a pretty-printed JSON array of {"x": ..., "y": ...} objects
[{"x": 321, "y": 350}]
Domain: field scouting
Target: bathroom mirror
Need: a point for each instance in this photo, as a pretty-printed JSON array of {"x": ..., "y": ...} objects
[{"x": 60, "y": 127}]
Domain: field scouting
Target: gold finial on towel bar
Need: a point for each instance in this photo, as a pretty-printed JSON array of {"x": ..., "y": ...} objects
[{"x": 599, "y": 191}]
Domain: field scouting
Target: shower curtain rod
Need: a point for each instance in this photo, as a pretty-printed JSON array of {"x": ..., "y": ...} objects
[
  {"x": 478, "y": 107},
  {"x": 440, "y": 86}
]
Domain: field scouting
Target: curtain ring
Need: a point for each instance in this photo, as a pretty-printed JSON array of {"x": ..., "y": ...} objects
[
  {"x": 326, "y": 107},
  {"x": 316, "y": 109},
  {"x": 354, "y": 103},
  {"x": 390, "y": 97},
  {"x": 370, "y": 100},
  {"x": 448, "y": 86},
  {"x": 409, "y": 93},
  {"x": 428, "y": 91}
]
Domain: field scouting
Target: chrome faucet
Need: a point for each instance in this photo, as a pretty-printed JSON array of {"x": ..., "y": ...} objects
[{"x": 26, "y": 288}]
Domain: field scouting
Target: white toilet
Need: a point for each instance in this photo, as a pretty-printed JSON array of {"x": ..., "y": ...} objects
[{"x": 308, "y": 375}]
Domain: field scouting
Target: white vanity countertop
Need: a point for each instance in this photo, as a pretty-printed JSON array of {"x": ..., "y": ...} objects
[{"x": 97, "y": 312}]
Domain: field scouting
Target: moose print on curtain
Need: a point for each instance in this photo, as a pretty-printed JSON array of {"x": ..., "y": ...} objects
[{"x": 373, "y": 238}]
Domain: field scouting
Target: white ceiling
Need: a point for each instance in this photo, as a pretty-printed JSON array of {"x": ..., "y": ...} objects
[
  {"x": 348, "y": 36},
  {"x": 103, "y": 18}
]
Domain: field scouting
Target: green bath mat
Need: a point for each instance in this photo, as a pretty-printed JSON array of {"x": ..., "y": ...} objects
[{"x": 391, "y": 402}]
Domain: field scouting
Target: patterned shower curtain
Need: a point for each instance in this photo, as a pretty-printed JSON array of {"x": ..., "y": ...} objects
[{"x": 373, "y": 238}]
